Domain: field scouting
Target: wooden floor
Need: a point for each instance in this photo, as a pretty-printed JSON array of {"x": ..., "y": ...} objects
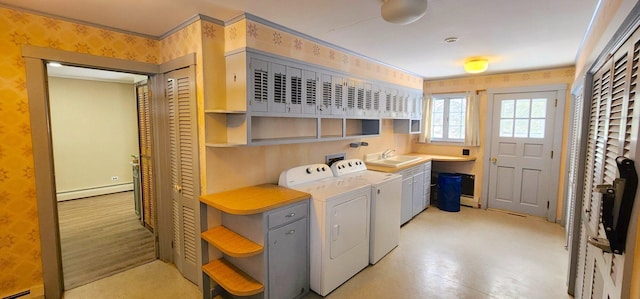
[{"x": 101, "y": 236}]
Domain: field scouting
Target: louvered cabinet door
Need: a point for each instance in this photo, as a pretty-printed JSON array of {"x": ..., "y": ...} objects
[
  {"x": 184, "y": 172},
  {"x": 339, "y": 94},
  {"x": 277, "y": 95},
  {"x": 294, "y": 93},
  {"x": 612, "y": 133},
  {"x": 325, "y": 94},
  {"x": 310, "y": 92},
  {"x": 258, "y": 84},
  {"x": 146, "y": 169}
]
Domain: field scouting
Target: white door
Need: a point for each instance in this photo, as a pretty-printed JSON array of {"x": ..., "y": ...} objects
[
  {"x": 184, "y": 171},
  {"x": 612, "y": 132},
  {"x": 349, "y": 225},
  {"x": 521, "y": 143}
]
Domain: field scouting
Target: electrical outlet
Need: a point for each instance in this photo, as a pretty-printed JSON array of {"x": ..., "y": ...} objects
[
  {"x": 114, "y": 178},
  {"x": 465, "y": 151}
]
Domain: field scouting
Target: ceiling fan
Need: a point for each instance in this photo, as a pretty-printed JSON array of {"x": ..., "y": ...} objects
[{"x": 403, "y": 12}]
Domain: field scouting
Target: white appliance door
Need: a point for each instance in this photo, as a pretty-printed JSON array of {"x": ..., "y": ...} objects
[
  {"x": 348, "y": 225},
  {"x": 385, "y": 223}
]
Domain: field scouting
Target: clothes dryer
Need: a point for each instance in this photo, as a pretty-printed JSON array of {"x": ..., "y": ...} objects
[{"x": 339, "y": 229}]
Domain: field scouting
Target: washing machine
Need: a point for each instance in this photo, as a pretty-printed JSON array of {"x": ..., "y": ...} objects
[
  {"x": 386, "y": 201},
  {"x": 339, "y": 229}
]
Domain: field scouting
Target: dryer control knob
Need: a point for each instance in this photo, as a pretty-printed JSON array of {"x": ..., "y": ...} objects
[{"x": 309, "y": 170}]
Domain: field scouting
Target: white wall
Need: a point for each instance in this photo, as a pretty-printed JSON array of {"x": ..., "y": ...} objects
[{"x": 95, "y": 132}]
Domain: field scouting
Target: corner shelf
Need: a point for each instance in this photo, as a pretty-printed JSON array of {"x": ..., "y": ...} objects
[
  {"x": 232, "y": 279},
  {"x": 231, "y": 243}
]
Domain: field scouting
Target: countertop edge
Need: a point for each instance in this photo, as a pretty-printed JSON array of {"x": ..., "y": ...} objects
[
  {"x": 425, "y": 158},
  {"x": 243, "y": 201}
]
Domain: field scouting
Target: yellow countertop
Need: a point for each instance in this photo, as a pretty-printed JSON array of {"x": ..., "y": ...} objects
[
  {"x": 254, "y": 199},
  {"x": 425, "y": 158}
]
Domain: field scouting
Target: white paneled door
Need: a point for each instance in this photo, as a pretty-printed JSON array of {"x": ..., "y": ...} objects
[
  {"x": 184, "y": 171},
  {"x": 521, "y": 152}
]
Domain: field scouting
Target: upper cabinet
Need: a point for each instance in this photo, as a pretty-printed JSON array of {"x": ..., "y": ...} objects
[{"x": 261, "y": 89}]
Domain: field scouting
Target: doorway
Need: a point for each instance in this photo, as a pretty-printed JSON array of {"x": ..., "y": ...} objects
[
  {"x": 98, "y": 127},
  {"x": 524, "y": 134}
]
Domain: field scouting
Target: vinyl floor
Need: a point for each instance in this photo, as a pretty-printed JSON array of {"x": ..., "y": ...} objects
[
  {"x": 470, "y": 254},
  {"x": 101, "y": 236}
]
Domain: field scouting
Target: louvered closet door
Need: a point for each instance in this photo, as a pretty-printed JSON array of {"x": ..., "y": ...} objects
[
  {"x": 185, "y": 178},
  {"x": 146, "y": 170},
  {"x": 612, "y": 133}
]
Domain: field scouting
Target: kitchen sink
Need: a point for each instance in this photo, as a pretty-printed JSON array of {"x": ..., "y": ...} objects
[{"x": 395, "y": 161}]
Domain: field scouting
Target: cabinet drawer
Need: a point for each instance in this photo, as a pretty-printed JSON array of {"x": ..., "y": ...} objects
[{"x": 288, "y": 214}]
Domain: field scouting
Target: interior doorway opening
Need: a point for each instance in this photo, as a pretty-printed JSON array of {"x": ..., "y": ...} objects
[{"x": 100, "y": 130}]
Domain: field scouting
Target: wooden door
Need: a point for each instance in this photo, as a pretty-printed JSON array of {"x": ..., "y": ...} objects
[
  {"x": 521, "y": 143},
  {"x": 146, "y": 163},
  {"x": 184, "y": 171},
  {"x": 612, "y": 132}
]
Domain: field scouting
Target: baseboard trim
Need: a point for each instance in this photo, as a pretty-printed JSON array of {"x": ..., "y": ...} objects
[
  {"x": 69, "y": 195},
  {"x": 36, "y": 291},
  {"x": 469, "y": 201}
]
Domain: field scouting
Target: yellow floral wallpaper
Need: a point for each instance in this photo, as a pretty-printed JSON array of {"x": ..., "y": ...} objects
[
  {"x": 247, "y": 33},
  {"x": 19, "y": 235}
]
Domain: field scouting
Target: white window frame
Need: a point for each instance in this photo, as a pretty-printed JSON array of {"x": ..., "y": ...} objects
[{"x": 445, "y": 130}]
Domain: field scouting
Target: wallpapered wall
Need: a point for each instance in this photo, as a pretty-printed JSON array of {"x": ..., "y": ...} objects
[
  {"x": 19, "y": 236},
  {"x": 543, "y": 77},
  {"x": 20, "y": 256}
]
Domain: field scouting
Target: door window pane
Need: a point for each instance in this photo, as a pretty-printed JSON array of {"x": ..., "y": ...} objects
[
  {"x": 522, "y": 108},
  {"x": 507, "y": 109},
  {"x": 521, "y": 128},
  {"x": 538, "y": 108},
  {"x": 506, "y": 128},
  {"x": 537, "y": 128}
]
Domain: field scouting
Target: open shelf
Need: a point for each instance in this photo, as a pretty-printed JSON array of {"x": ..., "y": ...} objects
[
  {"x": 232, "y": 279},
  {"x": 231, "y": 243},
  {"x": 362, "y": 127}
]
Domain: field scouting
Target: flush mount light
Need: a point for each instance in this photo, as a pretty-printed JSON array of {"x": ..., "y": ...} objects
[
  {"x": 54, "y": 64},
  {"x": 476, "y": 65},
  {"x": 403, "y": 12},
  {"x": 452, "y": 39}
]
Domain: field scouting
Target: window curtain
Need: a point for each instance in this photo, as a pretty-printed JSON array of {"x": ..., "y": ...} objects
[
  {"x": 472, "y": 126},
  {"x": 425, "y": 135}
]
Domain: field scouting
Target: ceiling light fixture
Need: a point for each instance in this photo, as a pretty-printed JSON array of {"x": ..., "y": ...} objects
[
  {"x": 476, "y": 65},
  {"x": 452, "y": 39},
  {"x": 403, "y": 12},
  {"x": 54, "y": 64}
]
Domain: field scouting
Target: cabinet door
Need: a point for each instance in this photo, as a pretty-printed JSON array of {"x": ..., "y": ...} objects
[
  {"x": 293, "y": 97},
  {"x": 288, "y": 260},
  {"x": 326, "y": 95},
  {"x": 277, "y": 88},
  {"x": 417, "y": 106},
  {"x": 407, "y": 200},
  {"x": 310, "y": 92},
  {"x": 360, "y": 99},
  {"x": 375, "y": 101},
  {"x": 350, "y": 99},
  {"x": 427, "y": 185},
  {"x": 389, "y": 95},
  {"x": 339, "y": 94},
  {"x": 418, "y": 194},
  {"x": 368, "y": 99},
  {"x": 258, "y": 88}
]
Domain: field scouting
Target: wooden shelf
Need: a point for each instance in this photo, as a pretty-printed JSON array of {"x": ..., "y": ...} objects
[
  {"x": 254, "y": 199},
  {"x": 231, "y": 243},
  {"x": 232, "y": 279}
]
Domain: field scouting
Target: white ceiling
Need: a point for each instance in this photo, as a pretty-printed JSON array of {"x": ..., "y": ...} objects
[
  {"x": 514, "y": 35},
  {"x": 93, "y": 74}
]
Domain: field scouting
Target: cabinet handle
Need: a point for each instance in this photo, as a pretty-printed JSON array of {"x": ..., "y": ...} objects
[
  {"x": 291, "y": 232},
  {"x": 290, "y": 215}
]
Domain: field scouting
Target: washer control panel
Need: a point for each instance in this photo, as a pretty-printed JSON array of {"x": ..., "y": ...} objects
[
  {"x": 304, "y": 174},
  {"x": 348, "y": 166}
]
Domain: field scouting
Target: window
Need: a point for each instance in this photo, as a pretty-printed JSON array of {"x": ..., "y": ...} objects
[
  {"x": 523, "y": 118},
  {"x": 448, "y": 115}
]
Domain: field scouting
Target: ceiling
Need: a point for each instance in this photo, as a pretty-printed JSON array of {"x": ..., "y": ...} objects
[{"x": 514, "y": 35}]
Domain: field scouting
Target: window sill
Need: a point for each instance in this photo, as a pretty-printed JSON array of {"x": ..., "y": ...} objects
[{"x": 443, "y": 143}]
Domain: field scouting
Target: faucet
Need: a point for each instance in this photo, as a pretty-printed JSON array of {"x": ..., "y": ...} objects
[{"x": 387, "y": 153}]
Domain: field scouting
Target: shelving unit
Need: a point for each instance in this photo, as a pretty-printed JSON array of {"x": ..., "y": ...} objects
[
  {"x": 275, "y": 100},
  {"x": 262, "y": 226}
]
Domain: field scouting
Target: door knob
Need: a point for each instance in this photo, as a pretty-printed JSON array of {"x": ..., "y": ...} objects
[{"x": 494, "y": 160}]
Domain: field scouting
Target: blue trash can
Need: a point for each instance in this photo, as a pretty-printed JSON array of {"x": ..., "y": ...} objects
[{"x": 449, "y": 188}]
